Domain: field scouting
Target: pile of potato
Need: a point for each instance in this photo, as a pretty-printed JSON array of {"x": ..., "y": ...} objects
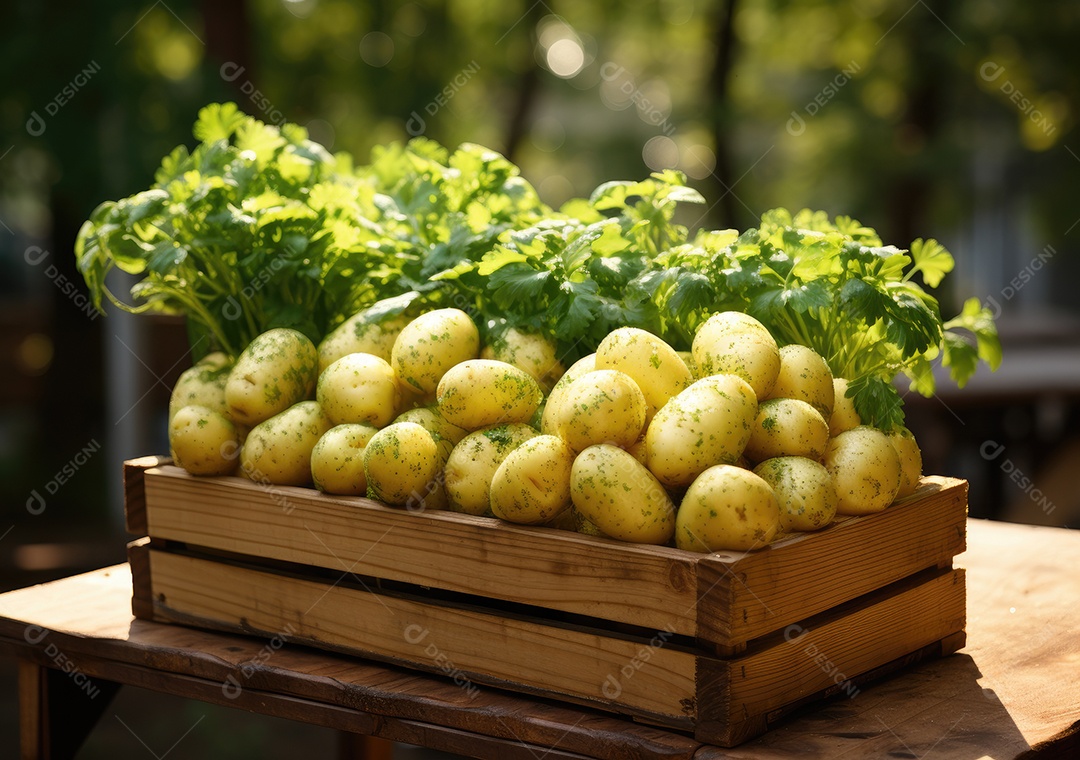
[{"x": 720, "y": 448}]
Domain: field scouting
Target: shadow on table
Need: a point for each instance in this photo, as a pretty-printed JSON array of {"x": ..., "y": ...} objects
[{"x": 935, "y": 710}]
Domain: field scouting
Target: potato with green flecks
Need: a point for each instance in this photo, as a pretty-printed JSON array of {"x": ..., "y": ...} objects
[
  {"x": 361, "y": 334},
  {"x": 804, "y": 375},
  {"x": 844, "y": 416},
  {"x": 337, "y": 461},
  {"x": 401, "y": 462},
  {"x": 474, "y": 461},
  {"x": 277, "y": 370},
  {"x": 430, "y": 345},
  {"x": 446, "y": 435},
  {"x": 865, "y": 469},
  {"x": 727, "y": 508},
  {"x": 202, "y": 385},
  {"x": 479, "y": 393},
  {"x": 571, "y": 519},
  {"x": 602, "y": 406},
  {"x": 527, "y": 351},
  {"x": 705, "y": 425},
  {"x": 737, "y": 344},
  {"x": 688, "y": 360},
  {"x": 619, "y": 495},
  {"x": 582, "y": 366},
  {"x": 787, "y": 427},
  {"x": 532, "y": 485},
  {"x": 203, "y": 441},
  {"x": 359, "y": 388},
  {"x": 804, "y": 490},
  {"x": 910, "y": 460},
  {"x": 658, "y": 371},
  {"x": 278, "y": 450}
]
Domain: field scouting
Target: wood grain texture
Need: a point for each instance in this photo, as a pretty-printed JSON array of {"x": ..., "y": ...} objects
[
  {"x": 142, "y": 599},
  {"x": 135, "y": 494},
  {"x": 746, "y": 595},
  {"x": 1014, "y": 686},
  {"x": 651, "y": 587},
  {"x": 33, "y": 718},
  {"x": 292, "y": 708},
  {"x": 469, "y": 646}
]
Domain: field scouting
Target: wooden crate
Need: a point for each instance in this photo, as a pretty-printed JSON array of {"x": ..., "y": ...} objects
[{"x": 719, "y": 645}]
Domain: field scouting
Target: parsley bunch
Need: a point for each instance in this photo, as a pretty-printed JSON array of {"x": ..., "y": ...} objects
[
  {"x": 570, "y": 276},
  {"x": 832, "y": 286},
  {"x": 257, "y": 227}
]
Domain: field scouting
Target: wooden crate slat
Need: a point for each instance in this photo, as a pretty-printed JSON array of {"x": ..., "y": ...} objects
[
  {"x": 480, "y": 647},
  {"x": 651, "y": 587}
]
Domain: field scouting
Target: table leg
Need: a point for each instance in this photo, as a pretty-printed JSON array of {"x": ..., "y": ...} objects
[
  {"x": 57, "y": 711},
  {"x": 359, "y": 747}
]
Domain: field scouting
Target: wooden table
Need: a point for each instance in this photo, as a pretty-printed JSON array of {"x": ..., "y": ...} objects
[{"x": 1015, "y": 686}]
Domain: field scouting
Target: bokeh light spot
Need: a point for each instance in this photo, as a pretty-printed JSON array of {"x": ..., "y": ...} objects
[
  {"x": 377, "y": 49},
  {"x": 565, "y": 57},
  {"x": 660, "y": 152}
]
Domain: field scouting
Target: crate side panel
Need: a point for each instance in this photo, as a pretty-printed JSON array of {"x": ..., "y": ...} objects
[
  {"x": 651, "y": 587},
  {"x": 468, "y": 646}
]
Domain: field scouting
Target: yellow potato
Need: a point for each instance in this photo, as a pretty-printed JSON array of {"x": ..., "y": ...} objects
[
  {"x": 411, "y": 398},
  {"x": 203, "y": 441},
  {"x": 202, "y": 385},
  {"x": 531, "y": 352},
  {"x": 649, "y": 361},
  {"x": 910, "y": 460},
  {"x": 585, "y": 527},
  {"x": 362, "y": 333},
  {"x": 278, "y": 450},
  {"x": 865, "y": 469},
  {"x": 735, "y": 343},
  {"x": 804, "y": 490},
  {"x": 688, "y": 360},
  {"x": 431, "y": 344},
  {"x": 359, "y": 388},
  {"x": 787, "y": 427},
  {"x": 727, "y": 508},
  {"x": 844, "y": 417},
  {"x": 618, "y": 495},
  {"x": 707, "y": 424},
  {"x": 277, "y": 370},
  {"x": 474, "y": 461},
  {"x": 581, "y": 367},
  {"x": 804, "y": 375},
  {"x": 337, "y": 461},
  {"x": 532, "y": 485},
  {"x": 445, "y": 434},
  {"x": 572, "y": 520},
  {"x": 432, "y": 499},
  {"x": 603, "y": 406},
  {"x": 480, "y": 393},
  {"x": 400, "y": 463},
  {"x": 640, "y": 451}
]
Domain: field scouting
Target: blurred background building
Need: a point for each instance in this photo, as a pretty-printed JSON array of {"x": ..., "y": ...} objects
[{"x": 953, "y": 120}]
